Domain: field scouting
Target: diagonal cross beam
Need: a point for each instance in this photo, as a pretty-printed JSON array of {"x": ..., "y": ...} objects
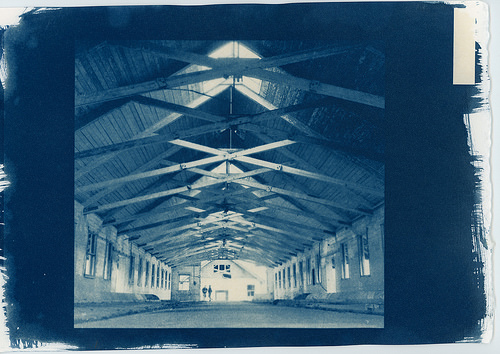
[
  {"x": 152, "y": 129},
  {"x": 174, "y": 191},
  {"x": 220, "y": 68},
  {"x": 302, "y": 196},
  {"x": 223, "y": 156},
  {"x": 141, "y": 140}
]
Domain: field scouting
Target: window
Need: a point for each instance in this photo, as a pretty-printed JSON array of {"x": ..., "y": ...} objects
[
  {"x": 308, "y": 270},
  {"x": 152, "y": 275},
  {"x": 184, "y": 282},
  {"x": 162, "y": 279},
  {"x": 294, "y": 270},
  {"x": 147, "y": 274},
  {"x": 108, "y": 261},
  {"x": 222, "y": 267},
  {"x": 279, "y": 275},
  {"x": 169, "y": 280},
  {"x": 345, "y": 261},
  {"x": 139, "y": 273},
  {"x": 288, "y": 277},
  {"x": 131, "y": 270},
  {"x": 313, "y": 277},
  {"x": 276, "y": 280},
  {"x": 158, "y": 276},
  {"x": 301, "y": 273},
  {"x": 284, "y": 277},
  {"x": 318, "y": 268},
  {"x": 364, "y": 255},
  {"x": 90, "y": 256},
  {"x": 250, "y": 290}
]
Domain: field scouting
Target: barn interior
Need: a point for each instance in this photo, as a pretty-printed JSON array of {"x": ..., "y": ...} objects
[{"x": 225, "y": 171}]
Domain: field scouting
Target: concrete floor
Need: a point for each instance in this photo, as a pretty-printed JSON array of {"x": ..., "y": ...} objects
[{"x": 235, "y": 314}]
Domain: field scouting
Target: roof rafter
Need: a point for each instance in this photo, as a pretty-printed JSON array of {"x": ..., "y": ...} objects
[
  {"x": 278, "y": 60},
  {"x": 148, "y": 165},
  {"x": 301, "y": 196},
  {"x": 238, "y": 67},
  {"x": 151, "y": 129},
  {"x": 309, "y": 166},
  {"x": 318, "y": 87},
  {"x": 201, "y": 202},
  {"x": 174, "y": 191},
  {"x": 182, "y": 166},
  {"x": 286, "y": 169}
]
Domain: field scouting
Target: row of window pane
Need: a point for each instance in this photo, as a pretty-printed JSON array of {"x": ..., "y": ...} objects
[
  {"x": 364, "y": 266},
  {"x": 91, "y": 258}
]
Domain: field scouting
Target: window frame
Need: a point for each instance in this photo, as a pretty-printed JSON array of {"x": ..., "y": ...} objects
[
  {"x": 288, "y": 277},
  {"x": 89, "y": 266},
  {"x": 251, "y": 290},
  {"x": 294, "y": 272},
  {"x": 158, "y": 270},
  {"x": 364, "y": 255},
  {"x": 131, "y": 270},
  {"x": 139, "y": 272},
  {"x": 108, "y": 261},
  {"x": 152, "y": 285},
  {"x": 146, "y": 276},
  {"x": 345, "y": 274},
  {"x": 185, "y": 281}
]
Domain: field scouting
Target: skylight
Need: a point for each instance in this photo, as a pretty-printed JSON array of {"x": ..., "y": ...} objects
[{"x": 231, "y": 49}]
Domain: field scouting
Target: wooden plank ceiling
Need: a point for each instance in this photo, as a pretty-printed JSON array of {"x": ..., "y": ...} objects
[{"x": 254, "y": 150}]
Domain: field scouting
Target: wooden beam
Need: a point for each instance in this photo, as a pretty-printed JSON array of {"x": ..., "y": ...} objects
[
  {"x": 312, "y": 175},
  {"x": 150, "y": 164},
  {"x": 287, "y": 232},
  {"x": 278, "y": 60},
  {"x": 309, "y": 166},
  {"x": 301, "y": 196},
  {"x": 196, "y": 251},
  {"x": 299, "y": 203},
  {"x": 221, "y": 157},
  {"x": 159, "y": 227},
  {"x": 238, "y": 67},
  {"x": 169, "y": 221},
  {"x": 304, "y": 128},
  {"x": 254, "y": 150},
  {"x": 148, "y": 86},
  {"x": 149, "y": 174},
  {"x": 331, "y": 226},
  {"x": 177, "y": 190},
  {"x": 152, "y": 129},
  {"x": 326, "y": 143},
  {"x": 273, "y": 217},
  {"x": 200, "y": 130},
  {"x": 165, "y": 239},
  {"x": 318, "y": 87},
  {"x": 325, "y": 220},
  {"x": 184, "y": 205},
  {"x": 187, "y": 111},
  {"x": 185, "y": 237}
]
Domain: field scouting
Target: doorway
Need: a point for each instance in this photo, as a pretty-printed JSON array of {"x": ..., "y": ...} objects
[{"x": 221, "y": 295}]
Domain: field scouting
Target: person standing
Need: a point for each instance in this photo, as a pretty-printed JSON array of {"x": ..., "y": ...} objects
[
  {"x": 204, "y": 290},
  {"x": 209, "y": 293}
]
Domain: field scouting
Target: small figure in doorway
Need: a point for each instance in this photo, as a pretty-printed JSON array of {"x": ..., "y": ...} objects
[
  {"x": 204, "y": 290},
  {"x": 209, "y": 293}
]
